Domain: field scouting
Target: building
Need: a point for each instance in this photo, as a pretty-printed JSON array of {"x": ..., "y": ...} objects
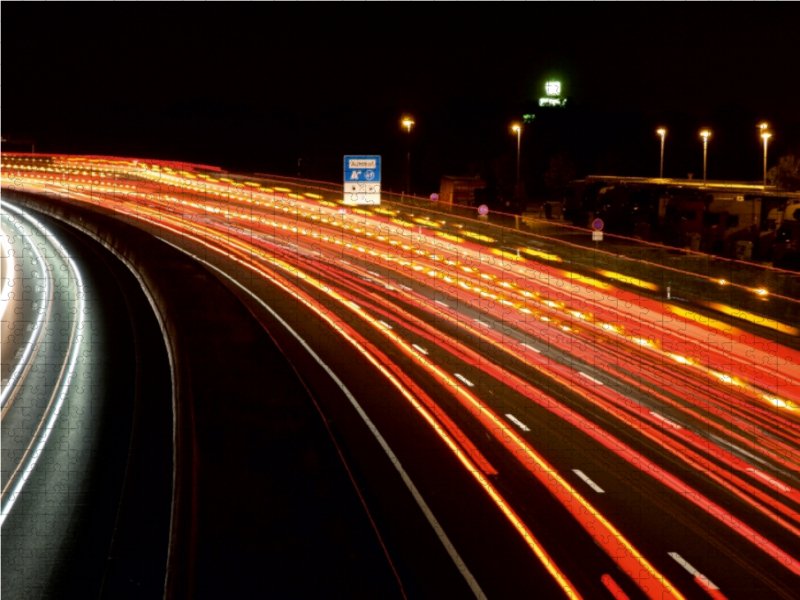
[
  {"x": 736, "y": 219},
  {"x": 459, "y": 190}
]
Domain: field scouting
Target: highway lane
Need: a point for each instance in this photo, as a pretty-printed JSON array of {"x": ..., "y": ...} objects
[
  {"x": 771, "y": 436},
  {"x": 453, "y": 496},
  {"x": 524, "y": 409},
  {"x": 63, "y": 439},
  {"x": 592, "y": 452},
  {"x": 46, "y": 358},
  {"x": 27, "y": 296}
]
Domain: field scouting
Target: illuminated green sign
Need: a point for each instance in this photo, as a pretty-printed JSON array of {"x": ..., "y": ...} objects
[
  {"x": 528, "y": 118},
  {"x": 553, "y": 98}
]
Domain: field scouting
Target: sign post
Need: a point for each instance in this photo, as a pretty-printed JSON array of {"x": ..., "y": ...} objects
[
  {"x": 597, "y": 234},
  {"x": 362, "y": 180}
]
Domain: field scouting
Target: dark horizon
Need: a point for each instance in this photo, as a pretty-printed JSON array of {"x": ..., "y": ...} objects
[{"x": 244, "y": 96}]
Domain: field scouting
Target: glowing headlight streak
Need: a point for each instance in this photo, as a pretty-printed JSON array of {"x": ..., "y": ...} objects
[
  {"x": 573, "y": 277},
  {"x": 507, "y": 255},
  {"x": 23, "y": 365},
  {"x": 35, "y": 450},
  {"x": 543, "y": 255},
  {"x": 8, "y": 265},
  {"x": 629, "y": 280},
  {"x": 478, "y": 236},
  {"x": 777, "y": 402},
  {"x": 752, "y": 318}
]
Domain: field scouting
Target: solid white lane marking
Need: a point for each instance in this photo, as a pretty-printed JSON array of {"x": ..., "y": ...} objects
[
  {"x": 588, "y": 481},
  {"x": 442, "y": 303},
  {"x": 465, "y": 380},
  {"x": 592, "y": 379},
  {"x": 518, "y": 423},
  {"x": 385, "y": 324},
  {"x": 532, "y": 348},
  {"x": 425, "y": 352},
  {"x": 479, "y": 322}
]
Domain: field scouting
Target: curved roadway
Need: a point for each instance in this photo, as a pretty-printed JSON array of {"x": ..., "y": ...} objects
[{"x": 562, "y": 430}]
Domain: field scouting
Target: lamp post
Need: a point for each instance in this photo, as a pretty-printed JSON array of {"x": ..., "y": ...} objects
[
  {"x": 407, "y": 123},
  {"x": 705, "y": 134},
  {"x": 517, "y": 128},
  {"x": 765, "y": 135},
  {"x": 662, "y": 132}
]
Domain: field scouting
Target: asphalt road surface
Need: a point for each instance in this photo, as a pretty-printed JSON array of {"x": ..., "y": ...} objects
[{"x": 568, "y": 431}]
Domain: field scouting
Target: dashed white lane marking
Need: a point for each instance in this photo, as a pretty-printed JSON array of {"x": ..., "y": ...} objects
[
  {"x": 462, "y": 567},
  {"x": 588, "y": 481},
  {"x": 592, "y": 379},
  {"x": 694, "y": 572},
  {"x": 665, "y": 420},
  {"x": 518, "y": 423},
  {"x": 465, "y": 380}
]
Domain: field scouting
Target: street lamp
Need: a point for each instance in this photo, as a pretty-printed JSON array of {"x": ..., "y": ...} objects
[
  {"x": 517, "y": 128},
  {"x": 407, "y": 123},
  {"x": 765, "y": 135},
  {"x": 705, "y": 134},
  {"x": 662, "y": 132}
]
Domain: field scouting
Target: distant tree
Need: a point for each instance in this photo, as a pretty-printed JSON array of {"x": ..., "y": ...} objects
[
  {"x": 559, "y": 175},
  {"x": 786, "y": 174}
]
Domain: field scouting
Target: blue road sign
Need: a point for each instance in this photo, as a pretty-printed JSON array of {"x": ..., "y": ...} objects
[
  {"x": 483, "y": 209},
  {"x": 365, "y": 169},
  {"x": 597, "y": 224}
]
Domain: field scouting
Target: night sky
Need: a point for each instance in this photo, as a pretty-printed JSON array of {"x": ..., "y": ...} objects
[{"x": 258, "y": 89}]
